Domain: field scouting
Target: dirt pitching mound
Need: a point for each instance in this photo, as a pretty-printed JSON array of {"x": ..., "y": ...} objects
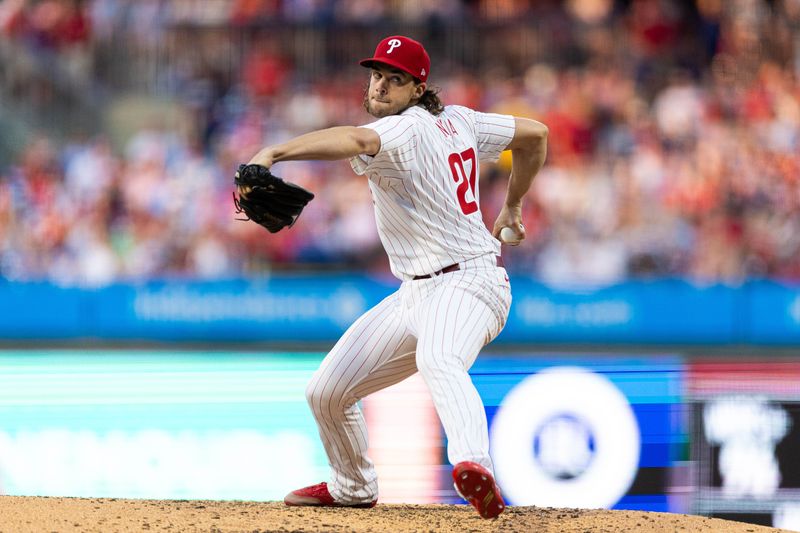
[{"x": 28, "y": 514}]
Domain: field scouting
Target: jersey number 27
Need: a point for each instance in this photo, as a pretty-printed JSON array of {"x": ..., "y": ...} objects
[{"x": 465, "y": 183}]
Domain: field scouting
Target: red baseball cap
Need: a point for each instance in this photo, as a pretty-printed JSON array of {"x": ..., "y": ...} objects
[{"x": 403, "y": 53}]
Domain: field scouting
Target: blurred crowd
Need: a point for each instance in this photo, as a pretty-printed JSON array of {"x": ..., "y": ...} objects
[{"x": 674, "y": 138}]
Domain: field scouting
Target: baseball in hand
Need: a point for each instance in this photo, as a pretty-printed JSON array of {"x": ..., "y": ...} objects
[{"x": 509, "y": 236}]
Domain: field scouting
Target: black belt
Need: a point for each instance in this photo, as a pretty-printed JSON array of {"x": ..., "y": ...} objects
[{"x": 453, "y": 268}]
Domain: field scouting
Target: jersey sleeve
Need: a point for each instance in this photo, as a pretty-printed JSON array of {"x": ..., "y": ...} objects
[
  {"x": 493, "y": 133},
  {"x": 396, "y": 133}
]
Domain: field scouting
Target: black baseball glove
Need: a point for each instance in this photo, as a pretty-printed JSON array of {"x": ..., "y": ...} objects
[{"x": 268, "y": 200}]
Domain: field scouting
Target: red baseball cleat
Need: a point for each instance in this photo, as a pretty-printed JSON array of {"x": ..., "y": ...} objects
[
  {"x": 476, "y": 485},
  {"x": 319, "y": 496}
]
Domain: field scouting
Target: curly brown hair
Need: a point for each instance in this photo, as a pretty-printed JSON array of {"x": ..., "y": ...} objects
[{"x": 430, "y": 100}]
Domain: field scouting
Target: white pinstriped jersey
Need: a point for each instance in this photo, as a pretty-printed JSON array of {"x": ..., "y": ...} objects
[{"x": 424, "y": 183}]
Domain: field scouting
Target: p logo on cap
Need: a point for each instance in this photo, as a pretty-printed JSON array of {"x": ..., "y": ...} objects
[
  {"x": 402, "y": 53},
  {"x": 393, "y": 43}
]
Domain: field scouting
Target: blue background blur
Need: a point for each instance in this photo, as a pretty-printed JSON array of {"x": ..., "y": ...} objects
[{"x": 319, "y": 308}]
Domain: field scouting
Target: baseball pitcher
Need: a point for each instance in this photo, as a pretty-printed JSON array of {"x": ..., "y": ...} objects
[{"x": 421, "y": 162}]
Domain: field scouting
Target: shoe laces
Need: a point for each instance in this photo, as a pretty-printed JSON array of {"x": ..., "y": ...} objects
[{"x": 320, "y": 489}]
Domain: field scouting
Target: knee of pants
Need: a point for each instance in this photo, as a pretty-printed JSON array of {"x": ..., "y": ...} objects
[
  {"x": 431, "y": 364},
  {"x": 322, "y": 397}
]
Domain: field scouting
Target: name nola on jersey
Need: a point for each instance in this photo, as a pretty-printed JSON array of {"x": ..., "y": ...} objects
[{"x": 446, "y": 127}]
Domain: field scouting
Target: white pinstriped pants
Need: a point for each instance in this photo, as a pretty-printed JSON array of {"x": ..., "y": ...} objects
[{"x": 435, "y": 326}]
